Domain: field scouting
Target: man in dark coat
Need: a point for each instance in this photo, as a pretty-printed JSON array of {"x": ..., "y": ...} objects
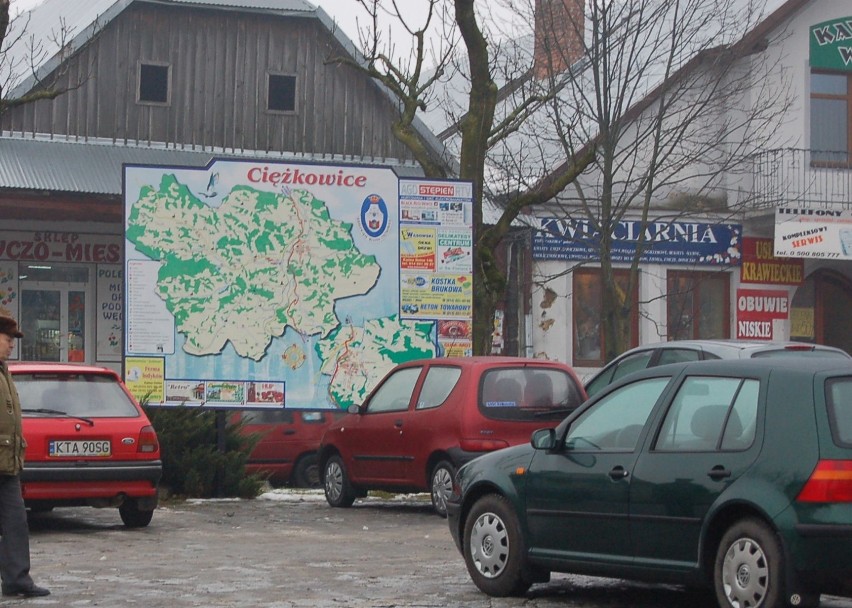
[{"x": 14, "y": 532}]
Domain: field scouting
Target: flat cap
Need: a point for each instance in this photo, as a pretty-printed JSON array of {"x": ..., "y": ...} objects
[{"x": 9, "y": 326}]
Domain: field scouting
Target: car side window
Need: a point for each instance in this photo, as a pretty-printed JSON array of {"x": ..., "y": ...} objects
[
  {"x": 633, "y": 363},
  {"x": 709, "y": 414},
  {"x": 615, "y": 422},
  {"x": 394, "y": 394},
  {"x": 437, "y": 386},
  {"x": 677, "y": 355}
]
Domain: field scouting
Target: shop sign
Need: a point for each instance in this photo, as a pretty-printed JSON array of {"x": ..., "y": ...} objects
[
  {"x": 813, "y": 233},
  {"x": 761, "y": 266},
  {"x": 757, "y": 311},
  {"x": 692, "y": 243},
  {"x": 51, "y": 246},
  {"x": 831, "y": 44}
]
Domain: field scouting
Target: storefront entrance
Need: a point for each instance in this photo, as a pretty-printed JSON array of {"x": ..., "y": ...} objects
[
  {"x": 53, "y": 316},
  {"x": 820, "y": 310}
]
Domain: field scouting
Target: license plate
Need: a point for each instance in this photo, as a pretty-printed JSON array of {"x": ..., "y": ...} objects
[{"x": 72, "y": 449}]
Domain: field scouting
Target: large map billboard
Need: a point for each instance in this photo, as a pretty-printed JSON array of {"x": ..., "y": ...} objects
[{"x": 263, "y": 284}]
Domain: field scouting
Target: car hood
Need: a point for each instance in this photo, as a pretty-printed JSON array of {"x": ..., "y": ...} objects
[{"x": 499, "y": 467}]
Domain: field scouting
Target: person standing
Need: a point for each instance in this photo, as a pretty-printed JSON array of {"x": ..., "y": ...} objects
[{"x": 14, "y": 532}]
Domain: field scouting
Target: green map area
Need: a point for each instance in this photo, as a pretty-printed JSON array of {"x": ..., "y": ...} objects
[
  {"x": 245, "y": 271},
  {"x": 356, "y": 358}
]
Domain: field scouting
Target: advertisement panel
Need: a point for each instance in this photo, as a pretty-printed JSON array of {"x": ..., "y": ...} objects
[
  {"x": 758, "y": 310},
  {"x": 662, "y": 242},
  {"x": 813, "y": 233},
  {"x": 761, "y": 266},
  {"x": 263, "y": 284}
]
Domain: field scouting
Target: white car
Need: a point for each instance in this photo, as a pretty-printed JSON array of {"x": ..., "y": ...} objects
[{"x": 661, "y": 353}]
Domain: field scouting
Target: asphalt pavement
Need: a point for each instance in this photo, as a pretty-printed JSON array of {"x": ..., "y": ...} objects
[{"x": 290, "y": 549}]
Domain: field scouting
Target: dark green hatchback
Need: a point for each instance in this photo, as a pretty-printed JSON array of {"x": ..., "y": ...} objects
[{"x": 734, "y": 475}]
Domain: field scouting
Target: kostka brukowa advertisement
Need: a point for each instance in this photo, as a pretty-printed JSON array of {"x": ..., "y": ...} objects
[{"x": 258, "y": 284}]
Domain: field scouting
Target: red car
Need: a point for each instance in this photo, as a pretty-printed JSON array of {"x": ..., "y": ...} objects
[
  {"x": 88, "y": 441},
  {"x": 428, "y": 417},
  {"x": 286, "y": 453}
]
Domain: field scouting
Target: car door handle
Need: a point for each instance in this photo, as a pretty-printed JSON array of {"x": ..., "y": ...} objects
[
  {"x": 718, "y": 472},
  {"x": 618, "y": 472},
  {"x": 398, "y": 424},
  {"x": 289, "y": 432}
]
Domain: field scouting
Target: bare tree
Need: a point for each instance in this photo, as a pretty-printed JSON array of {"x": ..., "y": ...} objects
[
  {"x": 676, "y": 96},
  {"x": 21, "y": 54},
  {"x": 469, "y": 55}
]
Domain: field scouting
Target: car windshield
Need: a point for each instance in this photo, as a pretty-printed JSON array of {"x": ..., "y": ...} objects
[
  {"x": 88, "y": 395},
  {"x": 528, "y": 393}
]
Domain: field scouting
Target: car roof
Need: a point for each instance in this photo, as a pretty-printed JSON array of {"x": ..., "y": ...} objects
[
  {"x": 29, "y": 367},
  {"x": 485, "y": 361},
  {"x": 805, "y": 365},
  {"x": 720, "y": 345}
]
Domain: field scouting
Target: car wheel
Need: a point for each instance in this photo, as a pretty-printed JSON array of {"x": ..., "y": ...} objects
[
  {"x": 442, "y": 486},
  {"x": 306, "y": 472},
  {"x": 494, "y": 548},
  {"x": 133, "y": 516},
  {"x": 749, "y": 567},
  {"x": 338, "y": 489}
]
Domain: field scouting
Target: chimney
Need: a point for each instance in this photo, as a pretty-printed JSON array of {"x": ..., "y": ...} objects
[{"x": 559, "y": 31}]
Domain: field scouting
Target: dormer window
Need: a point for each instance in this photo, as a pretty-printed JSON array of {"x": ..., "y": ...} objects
[
  {"x": 154, "y": 81},
  {"x": 282, "y": 93}
]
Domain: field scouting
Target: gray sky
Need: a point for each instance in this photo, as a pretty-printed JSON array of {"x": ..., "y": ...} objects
[{"x": 345, "y": 12}]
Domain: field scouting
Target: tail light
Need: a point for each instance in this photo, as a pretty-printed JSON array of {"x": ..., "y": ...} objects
[
  {"x": 148, "y": 442},
  {"x": 482, "y": 445},
  {"x": 831, "y": 481}
]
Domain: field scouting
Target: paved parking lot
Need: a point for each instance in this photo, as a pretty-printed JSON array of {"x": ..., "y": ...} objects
[{"x": 288, "y": 550}]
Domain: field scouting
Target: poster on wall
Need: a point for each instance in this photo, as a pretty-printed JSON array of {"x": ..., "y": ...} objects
[
  {"x": 9, "y": 295},
  {"x": 436, "y": 259},
  {"x": 110, "y": 317},
  {"x": 263, "y": 284},
  {"x": 813, "y": 233},
  {"x": 759, "y": 310}
]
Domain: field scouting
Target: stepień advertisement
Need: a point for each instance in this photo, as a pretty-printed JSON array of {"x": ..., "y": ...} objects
[{"x": 263, "y": 284}]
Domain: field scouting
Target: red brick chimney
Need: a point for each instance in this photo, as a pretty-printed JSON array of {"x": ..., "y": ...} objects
[{"x": 559, "y": 31}]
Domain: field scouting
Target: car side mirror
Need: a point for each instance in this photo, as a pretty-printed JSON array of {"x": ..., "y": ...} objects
[
  {"x": 543, "y": 439},
  {"x": 354, "y": 409}
]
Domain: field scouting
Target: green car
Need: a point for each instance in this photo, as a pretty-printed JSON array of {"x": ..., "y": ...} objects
[{"x": 734, "y": 475}]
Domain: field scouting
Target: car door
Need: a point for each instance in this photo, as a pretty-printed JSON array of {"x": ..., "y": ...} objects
[
  {"x": 375, "y": 441},
  {"x": 577, "y": 495},
  {"x": 706, "y": 441}
]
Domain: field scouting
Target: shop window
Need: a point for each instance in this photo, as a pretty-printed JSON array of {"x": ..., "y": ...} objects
[
  {"x": 153, "y": 83},
  {"x": 282, "y": 93},
  {"x": 831, "y": 118},
  {"x": 698, "y": 305},
  {"x": 588, "y": 322}
]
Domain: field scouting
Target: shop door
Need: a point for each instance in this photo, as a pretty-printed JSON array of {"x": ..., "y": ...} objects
[{"x": 53, "y": 317}]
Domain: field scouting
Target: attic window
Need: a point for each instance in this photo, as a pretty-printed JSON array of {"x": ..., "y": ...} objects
[
  {"x": 282, "y": 93},
  {"x": 153, "y": 83}
]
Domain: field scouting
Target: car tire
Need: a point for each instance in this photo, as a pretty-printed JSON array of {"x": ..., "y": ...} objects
[
  {"x": 494, "y": 550},
  {"x": 749, "y": 567},
  {"x": 133, "y": 516},
  {"x": 306, "y": 472},
  {"x": 441, "y": 486},
  {"x": 338, "y": 489}
]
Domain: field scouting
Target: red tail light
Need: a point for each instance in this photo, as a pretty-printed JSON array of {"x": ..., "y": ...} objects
[
  {"x": 482, "y": 445},
  {"x": 148, "y": 442},
  {"x": 831, "y": 481}
]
